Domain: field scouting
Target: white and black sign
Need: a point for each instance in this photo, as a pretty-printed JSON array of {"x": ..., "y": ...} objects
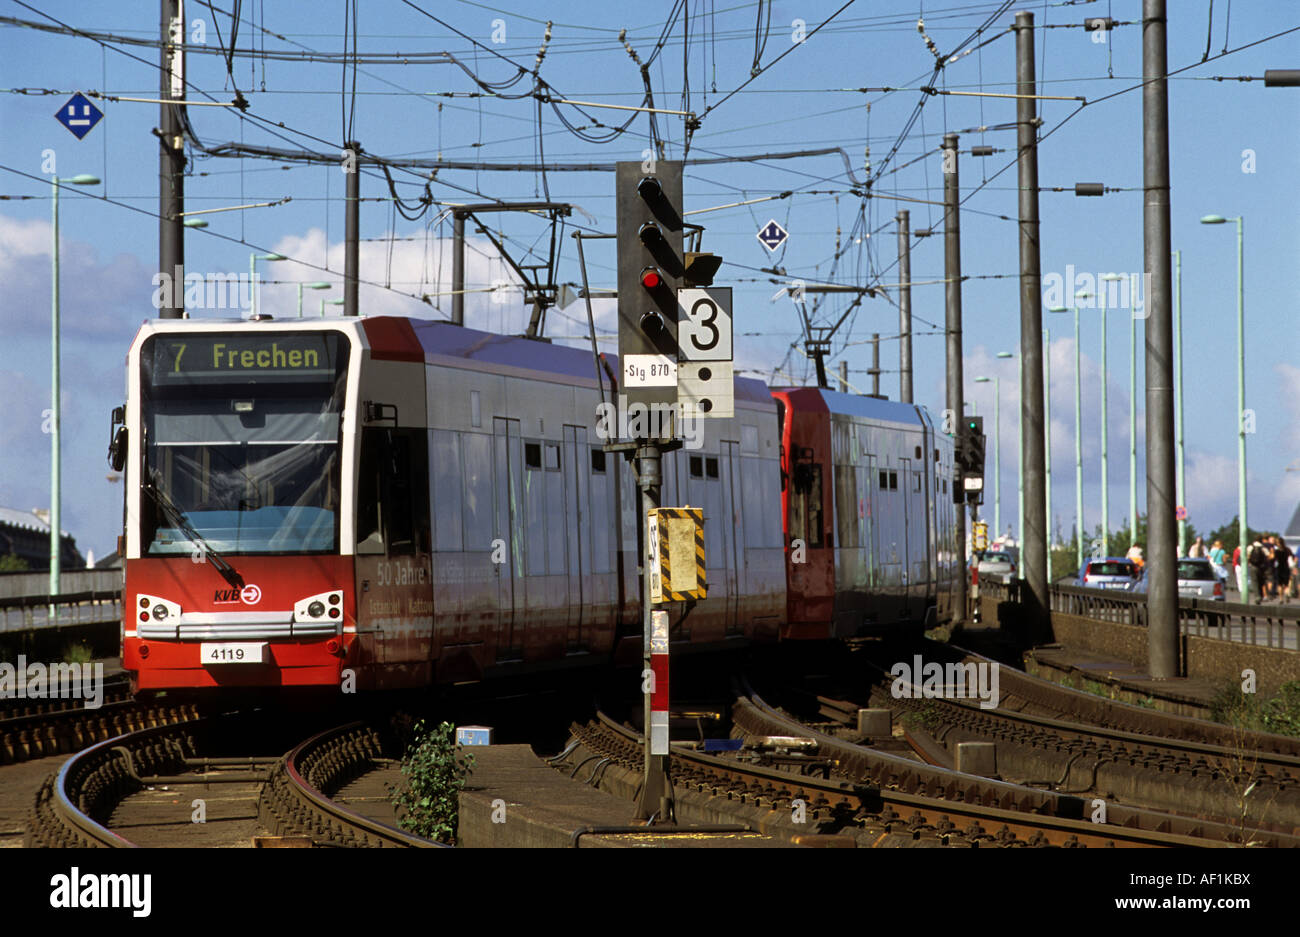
[
  {"x": 649, "y": 371},
  {"x": 704, "y": 324},
  {"x": 706, "y": 389}
]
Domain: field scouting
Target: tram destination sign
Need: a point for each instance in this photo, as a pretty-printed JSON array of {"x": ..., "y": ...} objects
[{"x": 216, "y": 357}]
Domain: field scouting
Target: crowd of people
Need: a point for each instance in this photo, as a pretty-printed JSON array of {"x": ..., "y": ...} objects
[{"x": 1273, "y": 565}]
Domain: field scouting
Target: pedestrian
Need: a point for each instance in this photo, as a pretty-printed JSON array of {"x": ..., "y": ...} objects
[
  {"x": 1282, "y": 557},
  {"x": 1236, "y": 570},
  {"x": 1260, "y": 558},
  {"x": 1134, "y": 556},
  {"x": 1216, "y": 559},
  {"x": 1197, "y": 548}
]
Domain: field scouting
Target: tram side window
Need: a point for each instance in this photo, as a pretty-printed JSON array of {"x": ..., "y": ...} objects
[
  {"x": 393, "y": 492},
  {"x": 806, "y": 504}
]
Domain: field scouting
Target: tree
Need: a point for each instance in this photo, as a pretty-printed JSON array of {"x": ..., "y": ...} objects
[
  {"x": 1228, "y": 534},
  {"x": 9, "y": 563}
]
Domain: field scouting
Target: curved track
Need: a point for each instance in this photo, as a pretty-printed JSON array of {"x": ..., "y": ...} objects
[{"x": 290, "y": 794}]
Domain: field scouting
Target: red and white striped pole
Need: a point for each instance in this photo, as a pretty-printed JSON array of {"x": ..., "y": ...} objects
[{"x": 659, "y": 686}]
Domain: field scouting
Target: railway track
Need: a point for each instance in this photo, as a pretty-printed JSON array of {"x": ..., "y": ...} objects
[
  {"x": 61, "y": 730},
  {"x": 1249, "y": 780},
  {"x": 842, "y": 806},
  {"x": 865, "y": 763},
  {"x": 141, "y": 789}
]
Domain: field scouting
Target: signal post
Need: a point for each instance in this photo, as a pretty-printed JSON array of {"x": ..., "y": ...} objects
[{"x": 674, "y": 345}]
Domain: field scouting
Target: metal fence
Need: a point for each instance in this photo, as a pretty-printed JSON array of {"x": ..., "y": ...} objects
[
  {"x": 70, "y": 609},
  {"x": 1276, "y": 626},
  {"x": 24, "y": 585}
]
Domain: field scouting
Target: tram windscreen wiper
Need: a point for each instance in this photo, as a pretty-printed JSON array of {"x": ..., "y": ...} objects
[{"x": 177, "y": 517}]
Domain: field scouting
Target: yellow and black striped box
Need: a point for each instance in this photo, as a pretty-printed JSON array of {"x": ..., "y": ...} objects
[{"x": 676, "y": 548}]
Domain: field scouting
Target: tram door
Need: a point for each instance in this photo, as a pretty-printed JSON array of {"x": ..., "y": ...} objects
[
  {"x": 508, "y": 480},
  {"x": 905, "y": 483},
  {"x": 575, "y": 464}
]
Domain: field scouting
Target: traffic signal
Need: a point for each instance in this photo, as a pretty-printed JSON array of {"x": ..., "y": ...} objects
[
  {"x": 975, "y": 445},
  {"x": 651, "y": 262}
]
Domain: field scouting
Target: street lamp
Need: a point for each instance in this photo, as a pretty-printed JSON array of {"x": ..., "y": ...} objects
[
  {"x": 332, "y": 302},
  {"x": 1078, "y": 433},
  {"x": 1132, "y": 403},
  {"x": 252, "y": 273},
  {"x": 1020, "y": 456},
  {"x": 55, "y": 492},
  {"x": 311, "y": 286},
  {"x": 194, "y": 223},
  {"x": 997, "y": 460},
  {"x": 1047, "y": 440},
  {"x": 1241, "y": 403}
]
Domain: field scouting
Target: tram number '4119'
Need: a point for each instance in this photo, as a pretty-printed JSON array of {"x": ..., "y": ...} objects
[
  {"x": 231, "y": 653},
  {"x": 704, "y": 324}
]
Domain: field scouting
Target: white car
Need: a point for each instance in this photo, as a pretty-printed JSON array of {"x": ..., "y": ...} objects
[{"x": 997, "y": 565}]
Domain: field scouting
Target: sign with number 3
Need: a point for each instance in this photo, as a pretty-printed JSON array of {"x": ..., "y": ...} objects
[{"x": 704, "y": 324}]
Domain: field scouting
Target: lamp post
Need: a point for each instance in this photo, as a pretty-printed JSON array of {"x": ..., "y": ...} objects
[
  {"x": 311, "y": 286},
  {"x": 55, "y": 455},
  {"x": 332, "y": 302},
  {"x": 1241, "y": 401},
  {"x": 1132, "y": 404},
  {"x": 997, "y": 457},
  {"x": 1020, "y": 459},
  {"x": 1078, "y": 434},
  {"x": 252, "y": 273},
  {"x": 1047, "y": 440},
  {"x": 1178, "y": 395}
]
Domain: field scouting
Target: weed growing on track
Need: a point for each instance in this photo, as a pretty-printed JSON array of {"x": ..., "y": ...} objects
[
  {"x": 435, "y": 772},
  {"x": 1279, "y": 714}
]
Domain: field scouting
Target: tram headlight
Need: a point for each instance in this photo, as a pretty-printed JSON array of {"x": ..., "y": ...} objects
[
  {"x": 159, "y": 612},
  {"x": 316, "y": 609}
]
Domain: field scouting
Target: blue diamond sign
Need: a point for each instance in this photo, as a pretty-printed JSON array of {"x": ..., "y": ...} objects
[
  {"x": 772, "y": 235},
  {"x": 79, "y": 115}
]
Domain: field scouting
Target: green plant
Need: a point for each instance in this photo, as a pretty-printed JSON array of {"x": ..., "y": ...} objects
[
  {"x": 435, "y": 774},
  {"x": 9, "y": 563},
  {"x": 77, "y": 653}
]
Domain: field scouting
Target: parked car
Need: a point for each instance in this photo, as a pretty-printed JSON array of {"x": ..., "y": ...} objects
[
  {"x": 1110, "y": 572},
  {"x": 1196, "y": 580},
  {"x": 998, "y": 565}
]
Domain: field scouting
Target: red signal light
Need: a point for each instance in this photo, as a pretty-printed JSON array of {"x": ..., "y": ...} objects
[{"x": 651, "y": 279}]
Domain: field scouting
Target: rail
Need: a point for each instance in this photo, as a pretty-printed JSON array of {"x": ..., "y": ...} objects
[{"x": 1275, "y": 626}]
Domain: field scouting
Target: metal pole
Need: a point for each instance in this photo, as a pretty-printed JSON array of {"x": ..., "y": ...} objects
[
  {"x": 1178, "y": 394},
  {"x": 1035, "y": 383},
  {"x": 171, "y": 160},
  {"x": 904, "y": 308},
  {"x": 252, "y": 285},
  {"x": 1242, "y": 535},
  {"x": 997, "y": 455},
  {"x": 654, "y": 787},
  {"x": 458, "y": 269},
  {"x": 55, "y": 459},
  {"x": 952, "y": 291},
  {"x": 1105, "y": 420},
  {"x": 875, "y": 364},
  {"x": 1162, "y": 537},
  {"x": 1020, "y": 470},
  {"x": 1078, "y": 450},
  {"x": 352, "y": 229},
  {"x": 1047, "y": 448},
  {"x": 1132, "y": 413},
  {"x": 844, "y": 376},
  {"x": 299, "y": 300}
]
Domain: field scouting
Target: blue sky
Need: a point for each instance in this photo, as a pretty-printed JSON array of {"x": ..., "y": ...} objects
[{"x": 1219, "y": 130}]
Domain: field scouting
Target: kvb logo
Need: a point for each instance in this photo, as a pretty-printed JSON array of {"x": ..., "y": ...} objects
[{"x": 251, "y": 594}]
